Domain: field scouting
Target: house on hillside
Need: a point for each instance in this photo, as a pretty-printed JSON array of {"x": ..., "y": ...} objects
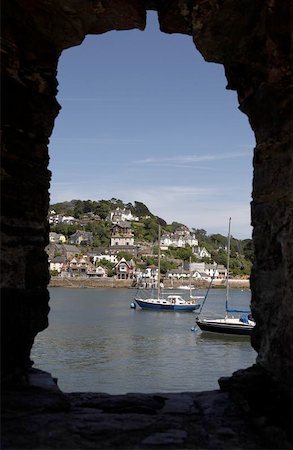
[
  {"x": 201, "y": 252},
  {"x": 61, "y": 250},
  {"x": 101, "y": 272},
  {"x": 57, "y": 264},
  {"x": 217, "y": 271},
  {"x": 201, "y": 276},
  {"x": 81, "y": 238},
  {"x": 178, "y": 239},
  {"x": 178, "y": 274},
  {"x": 69, "y": 220},
  {"x": 121, "y": 215},
  {"x": 121, "y": 234},
  {"x": 122, "y": 239},
  {"x": 124, "y": 270},
  {"x": 96, "y": 272},
  {"x": 147, "y": 278},
  {"x": 106, "y": 257},
  {"x": 79, "y": 266},
  {"x": 68, "y": 250},
  {"x": 57, "y": 238}
]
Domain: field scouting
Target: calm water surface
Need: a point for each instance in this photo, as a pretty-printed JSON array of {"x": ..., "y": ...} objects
[{"x": 96, "y": 342}]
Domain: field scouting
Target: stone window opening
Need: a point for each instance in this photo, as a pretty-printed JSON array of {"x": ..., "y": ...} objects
[{"x": 95, "y": 80}]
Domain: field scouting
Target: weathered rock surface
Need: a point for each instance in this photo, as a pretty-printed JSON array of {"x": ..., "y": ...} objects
[{"x": 39, "y": 416}]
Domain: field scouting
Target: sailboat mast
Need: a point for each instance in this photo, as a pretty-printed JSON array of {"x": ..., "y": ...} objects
[
  {"x": 159, "y": 261},
  {"x": 190, "y": 290},
  {"x": 228, "y": 264}
]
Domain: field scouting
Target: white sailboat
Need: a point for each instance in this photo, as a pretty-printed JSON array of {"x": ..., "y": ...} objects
[
  {"x": 172, "y": 302},
  {"x": 241, "y": 324}
]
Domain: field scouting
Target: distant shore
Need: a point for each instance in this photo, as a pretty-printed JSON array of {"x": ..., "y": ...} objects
[{"x": 79, "y": 282}]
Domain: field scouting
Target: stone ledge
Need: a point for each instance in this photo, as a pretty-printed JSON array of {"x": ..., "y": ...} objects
[{"x": 39, "y": 416}]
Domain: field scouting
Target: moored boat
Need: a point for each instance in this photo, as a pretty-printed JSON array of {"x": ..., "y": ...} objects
[
  {"x": 170, "y": 303},
  {"x": 242, "y": 324}
]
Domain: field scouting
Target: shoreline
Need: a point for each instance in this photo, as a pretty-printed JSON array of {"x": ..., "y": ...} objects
[{"x": 78, "y": 283}]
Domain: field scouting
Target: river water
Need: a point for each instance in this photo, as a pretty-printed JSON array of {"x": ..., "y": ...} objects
[{"x": 96, "y": 342}]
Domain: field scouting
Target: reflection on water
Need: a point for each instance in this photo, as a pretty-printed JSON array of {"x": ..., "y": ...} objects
[{"x": 96, "y": 342}]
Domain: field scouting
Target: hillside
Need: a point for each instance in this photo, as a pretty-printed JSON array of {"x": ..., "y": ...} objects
[{"x": 92, "y": 216}]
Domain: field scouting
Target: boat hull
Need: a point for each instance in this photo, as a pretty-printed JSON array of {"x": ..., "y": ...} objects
[
  {"x": 225, "y": 328},
  {"x": 166, "y": 307}
]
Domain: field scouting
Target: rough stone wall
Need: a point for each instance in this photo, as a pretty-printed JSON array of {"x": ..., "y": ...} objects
[
  {"x": 31, "y": 47},
  {"x": 253, "y": 44},
  {"x": 251, "y": 39},
  {"x": 29, "y": 108}
]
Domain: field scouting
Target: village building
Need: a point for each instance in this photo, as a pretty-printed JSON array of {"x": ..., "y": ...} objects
[
  {"x": 121, "y": 215},
  {"x": 201, "y": 252},
  {"x": 97, "y": 272},
  {"x": 178, "y": 274},
  {"x": 178, "y": 239},
  {"x": 106, "y": 257},
  {"x": 124, "y": 270},
  {"x": 218, "y": 271},
  {"x": 57, "y": 264},
  {"x": 122, "y": 239},
  {"x": 57, "y": 238},
  {"x": 81, "y": 238}
]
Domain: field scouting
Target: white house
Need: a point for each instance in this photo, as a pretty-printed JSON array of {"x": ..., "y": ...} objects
[
  {"x": 121, "y": 215},
  {"x": 57, "y": 264},
  {"x": 177, "y": 240},
  {"x": 219, "y": 272},
  {"x": 110, "y": 258},
  {"x": 201, "y": 276},
  {"x": 70, "y": 220},
  {"x": 124, "y": 269},
  {"x": 201, "y": 252},
  {"x": 178, "y": 273},
  {"x": 100, "y": 272},
  {"x": 122, "y": 235},
  {"x": 150, "y": 273}
]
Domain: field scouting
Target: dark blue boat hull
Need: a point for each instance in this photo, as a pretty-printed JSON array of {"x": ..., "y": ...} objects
[
  {"x": 239, "y": 330},
  {"x": 163, "y": 307}
]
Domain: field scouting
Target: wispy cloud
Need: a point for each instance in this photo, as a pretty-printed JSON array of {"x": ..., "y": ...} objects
[{"x": 186, "y": 160}]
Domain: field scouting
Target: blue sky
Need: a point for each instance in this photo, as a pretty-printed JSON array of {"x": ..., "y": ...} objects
[{"x": 145, "y": 118}]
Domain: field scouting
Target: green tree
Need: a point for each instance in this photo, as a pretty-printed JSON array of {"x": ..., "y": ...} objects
[
  {"x": 200, "y": 234},
  {"x": 108, "y": 265},
  {"x": 248, "y": 249},
  {"x": 140, "y": 209},
  {"x": 182, "y": 253},
  {"x": 126, "y": 255},
  {"x": 66, "y": 229},
  {"x": 103, "y": 209},
  {"x": 101, "y": 231},
  {"x": 220, "y": 257},
  {"x": 151, "y": 230},
  {"x": 167, "y": 264}
]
